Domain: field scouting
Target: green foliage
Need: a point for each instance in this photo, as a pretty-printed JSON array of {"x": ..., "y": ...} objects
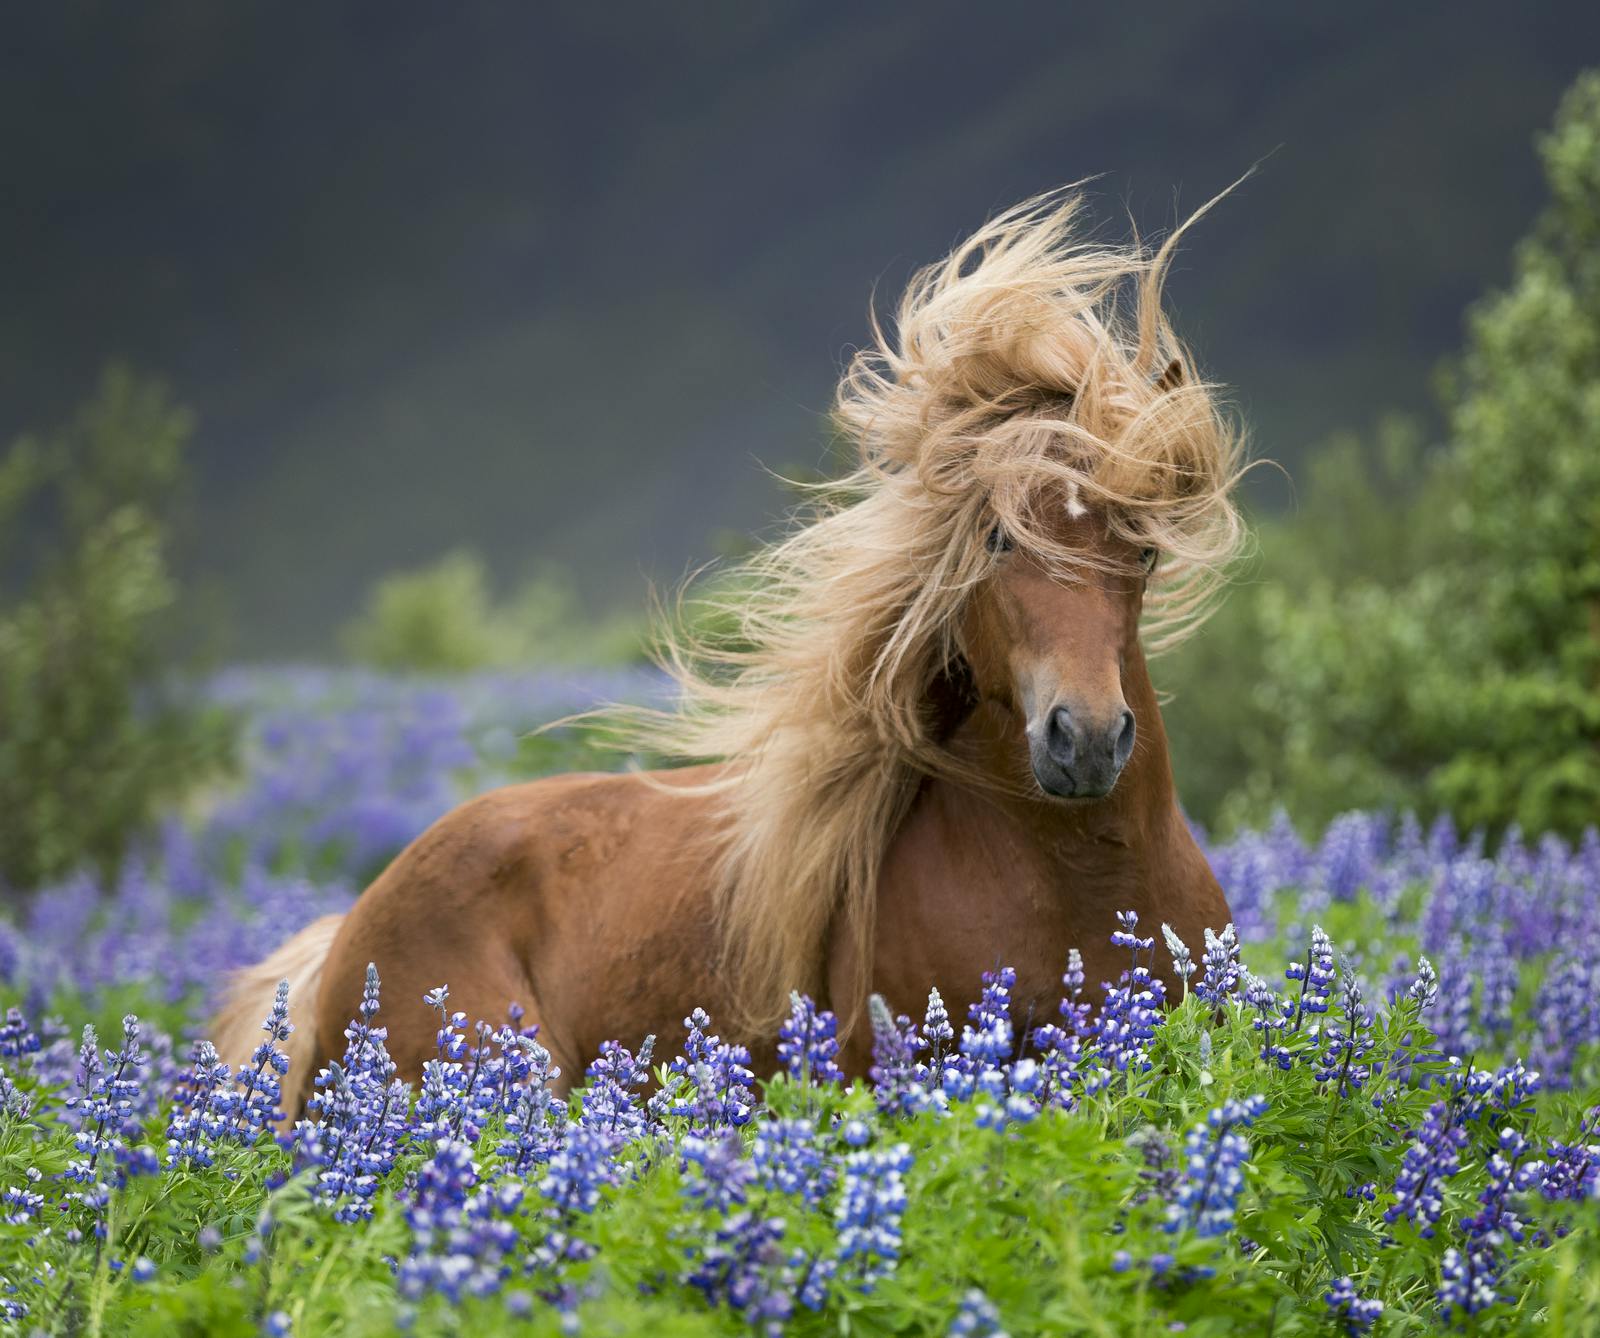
[
  {"x": 443, "y": 618},
  {"x": 89, "y": 747},
  {"x": 1429, "y": 632}
]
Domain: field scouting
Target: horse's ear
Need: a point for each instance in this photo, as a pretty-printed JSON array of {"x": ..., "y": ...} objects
[{"x": 1172, "y": 378}]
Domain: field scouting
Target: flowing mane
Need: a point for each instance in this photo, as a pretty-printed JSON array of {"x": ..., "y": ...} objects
[{"x": 1027, "y": 365}]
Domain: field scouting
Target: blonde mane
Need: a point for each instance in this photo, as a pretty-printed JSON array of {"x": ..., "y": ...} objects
[{"x": 1026, "y": 363}]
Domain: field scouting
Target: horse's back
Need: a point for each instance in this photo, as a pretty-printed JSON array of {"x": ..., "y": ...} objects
[{"x": 565, "y": 895}]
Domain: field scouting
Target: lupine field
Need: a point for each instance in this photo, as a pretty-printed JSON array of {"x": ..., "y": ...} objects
[{"x": 1372, "y": 1107}]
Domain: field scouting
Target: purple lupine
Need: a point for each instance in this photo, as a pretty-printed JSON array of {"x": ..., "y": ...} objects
[
  {"x": 711, "y": 1081},
  {"x": 1470, "y": 1276},
  {"x": 1433, "y": 1158},
  {"x": 1572, "y": 1170},
  {"x": 574, "y": 1176},
  {"x": 808, "y": 1044},
  {"x": 200, "y": 1120},
  {"x": 461, "y": 1240},
  {"x": 1214, "y": 1155},
  {"x": 1274, "y": 1015},
  {"x": 787, "y": 1159},
  {"x": 986, "y": 1040},
  {"x": 259, "y": 1085},
  {"x": 108, "y": 1089},
  {"x": 937, "y": 1031},
  {"x": 460, "y": 1086},
  {"x": 1354, "y": 1313},
  {"x": 18, "y": 1040},
  {"x": 1315, "y": 977},
  {"x": 1347, "y": 1040},
  {"x": 976, "y": 1317},
  {"x": 356, "y": 1117},
  {"x": 535, "y": 1118},
  {"x": 871, "y": 1202},
  {"x": 1129, "y": 1014},
  {"x": 1221, "y": 962},
  {"x": 897, "y": 1075}
]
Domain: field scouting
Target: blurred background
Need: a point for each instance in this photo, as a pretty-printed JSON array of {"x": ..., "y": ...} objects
[{"x": 429, "y": 339}]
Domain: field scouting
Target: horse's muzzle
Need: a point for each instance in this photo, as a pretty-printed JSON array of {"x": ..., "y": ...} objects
[{"x": 1074, "y": 759}]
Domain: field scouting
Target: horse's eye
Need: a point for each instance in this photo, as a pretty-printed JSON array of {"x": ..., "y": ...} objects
[
  {"x": 1148, "y": 557},
  {"x": 999, "y": 541}
]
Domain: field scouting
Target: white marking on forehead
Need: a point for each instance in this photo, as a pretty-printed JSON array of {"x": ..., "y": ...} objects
[{"x": 1076, "y": 510}]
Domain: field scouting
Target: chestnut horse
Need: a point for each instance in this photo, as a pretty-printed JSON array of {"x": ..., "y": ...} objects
[{"x": 932, "y": 747}]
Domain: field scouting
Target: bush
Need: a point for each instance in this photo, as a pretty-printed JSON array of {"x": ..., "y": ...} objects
[
  {"x": 443, "y": 618},
  {"x": 89, "y": 747}
]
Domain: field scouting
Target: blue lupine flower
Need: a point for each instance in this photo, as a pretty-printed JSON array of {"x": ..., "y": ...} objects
[
  {"x": 1355, "y": 1313},
  {"x": 1347, "y": 1040},
  {"x": 534, "y": 1119},
  {"x": 1214, "y": 1154},
  {"x": 1470, "y": 1277},
  {"x": 714, "y": 1081},
  {"x": 1315, "y": 976},
  {"x": 871, "y": 1202},
  {"x": 977, "y": 1317},
  {"x": 1433, "y": 1157},
  {"x": 937, "y": 1031},
  {"x": 1572, "y": 1170},
  {"x": 17, "y": 1038},
  {"x": 461, "y": 1240},
  {"x": 1182, "y": 962},
  {"x": 1221, "y": 962},
  {"x": 787, "y": 1159},
  {"x": 200, "y": 1118},
  {"x": 808, "y": 1045},
  {"x": 356, "y": 1117},
  {"x": 897, "y": 1075},
  {"x": 107, "y": 1090},
  {"x": 259, "y": 1083}
]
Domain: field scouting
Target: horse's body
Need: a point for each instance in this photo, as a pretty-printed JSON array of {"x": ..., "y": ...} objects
[{"x": 943, "y": 753}]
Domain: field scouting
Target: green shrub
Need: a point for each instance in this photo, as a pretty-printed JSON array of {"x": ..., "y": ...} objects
[
  {"x": 90, "y": 747},
  {"x": 443, "y": 618}
]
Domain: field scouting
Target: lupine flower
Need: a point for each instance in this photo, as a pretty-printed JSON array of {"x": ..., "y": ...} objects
[
  {"x": 897, "y": 1076},
  {"x": 977, "y": 1317},
  {"x": 259, "y": 1083},
  {"x": 1353, "y": 1312},
  {"x": 742, "y": 1265},
  {"x": 535, "y": 1118},
  {"x": 1182, "y": 963},
  {"x": 1433, "y": 1157},
  {"x": 1214, "y": 1153},
  {"x": 808, "y": 1045},
  {"x": 1315, "y": 976},
  {"x": 574, "y": 1176},
  {"x": 200, "y": 1120},
  {"x": 360, "y": 1112},
  {"x": 1221, "y": 961},
  {"x": 107, "y": 1088},
  {"x": 17, "y": 1038},
  {"x": 714, "y": 1080},
  {"x": 1470, "y": 1276},
  {"x": 1347, "y": 1041},
  {"x": 786, "y": 1158},
  {"x": 936, "y": 1030},
  {"x": 461, "y": 1240},
  {"x": 871, "y": 1202},
  {"x": 1572, "y": 1170},
  {"x": 15, "y": 1104},
  {"x": 1128, "y": 1018}
]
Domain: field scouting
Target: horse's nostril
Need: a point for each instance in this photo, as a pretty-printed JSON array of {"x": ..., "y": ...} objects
[
  {"x": 1121, "y": 749},
  {"x": 1058, "y": 736}
]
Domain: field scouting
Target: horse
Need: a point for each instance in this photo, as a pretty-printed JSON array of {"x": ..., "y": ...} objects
[{"x": 930, "y": 746}]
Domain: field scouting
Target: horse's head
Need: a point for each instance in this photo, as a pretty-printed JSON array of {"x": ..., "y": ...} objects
[{"x": 1055, "y": 647}]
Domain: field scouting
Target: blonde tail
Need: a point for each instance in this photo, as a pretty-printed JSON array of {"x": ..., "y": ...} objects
[{"x": 236, "y": 1030}]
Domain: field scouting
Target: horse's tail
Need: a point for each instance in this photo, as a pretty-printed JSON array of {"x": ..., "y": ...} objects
[{"x": 236, "y": 1031}]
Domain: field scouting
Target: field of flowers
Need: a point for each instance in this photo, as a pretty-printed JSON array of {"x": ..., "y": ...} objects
[{"x": 1374, "y": 1107}]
